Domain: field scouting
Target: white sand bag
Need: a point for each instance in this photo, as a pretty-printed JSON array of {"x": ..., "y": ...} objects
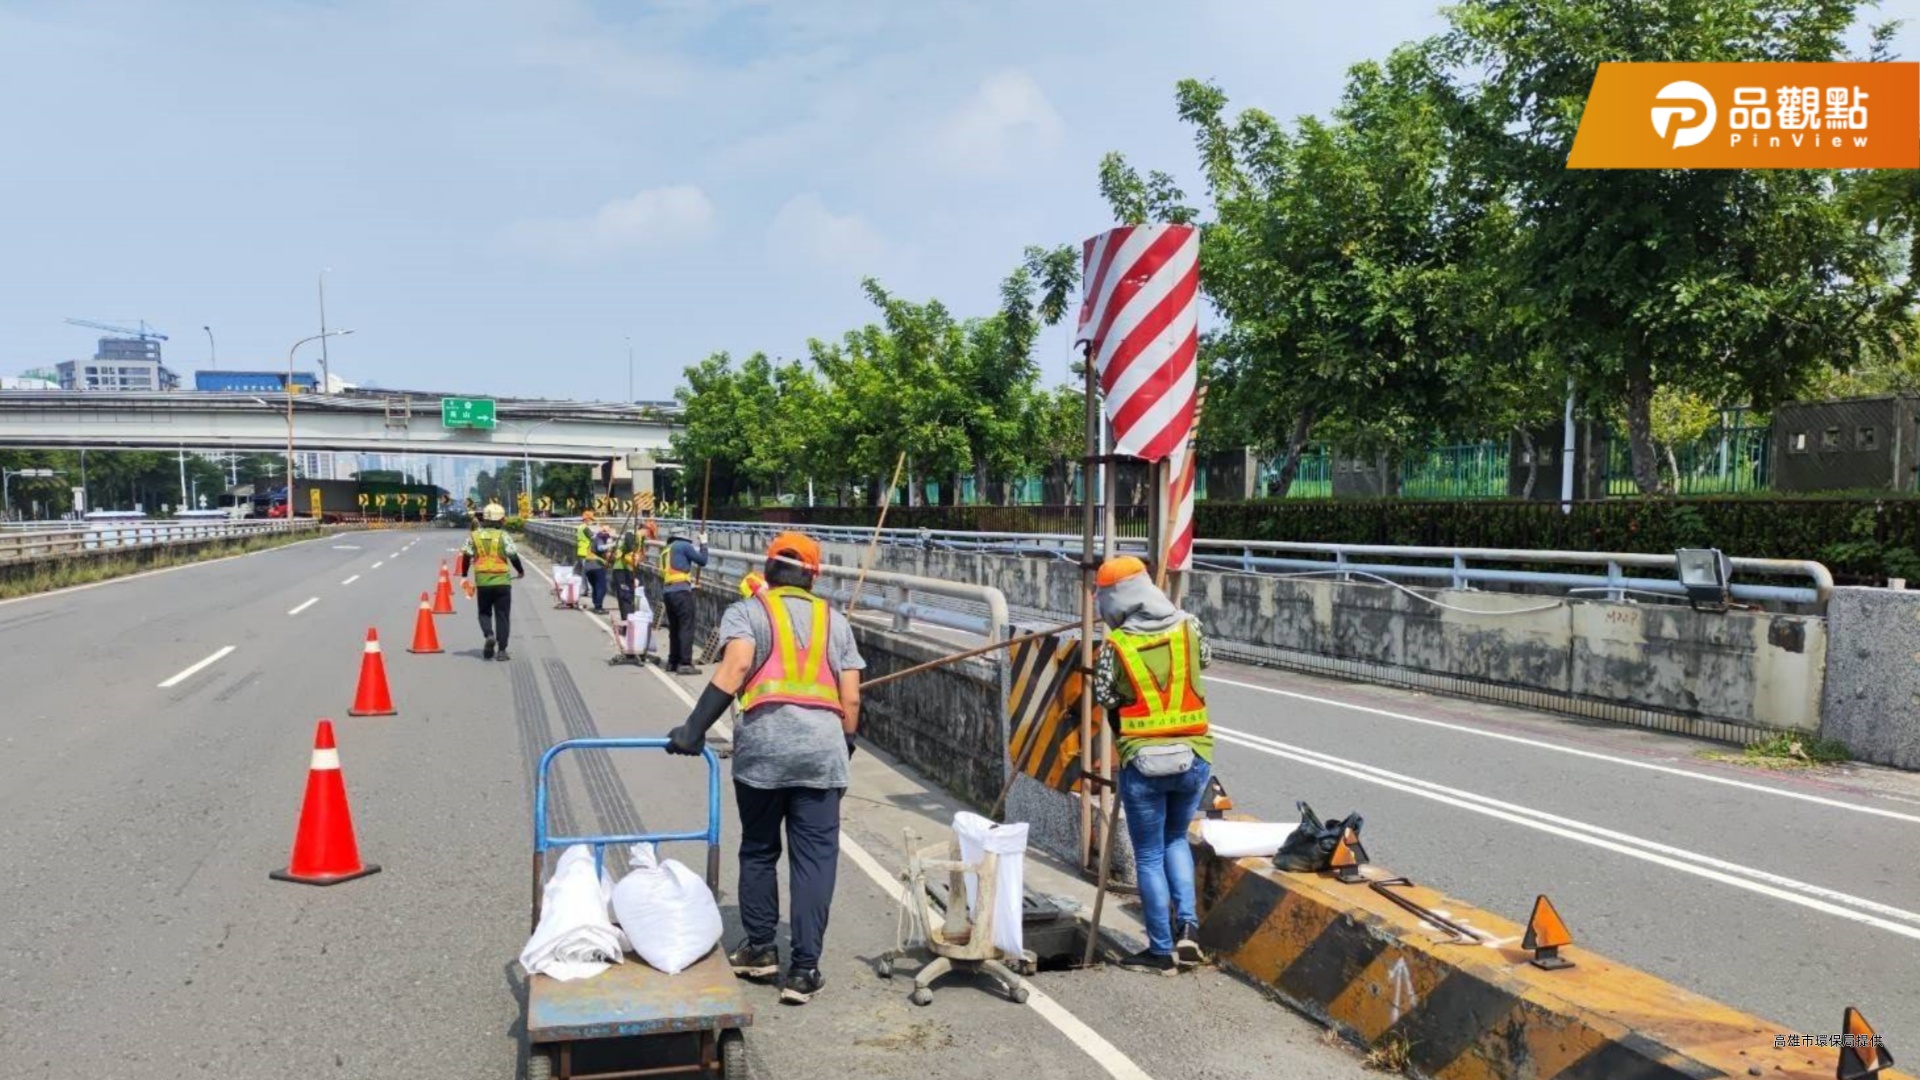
[
  {"x": 667, "y": 911},
  {"x": 977, "y": 836},
  {"x": 575, "y": 939},
  {"x": 1240, "y": 839}
]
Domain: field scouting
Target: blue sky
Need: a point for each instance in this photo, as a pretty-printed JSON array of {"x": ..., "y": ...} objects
[{"x": 503, "y": 193}]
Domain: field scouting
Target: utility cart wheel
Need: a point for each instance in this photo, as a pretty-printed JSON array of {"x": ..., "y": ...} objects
[
  {"x": 921, "y": 996},
  {"x": 733, "y": 1056},
  {"x": 883, "y": 967},
  {"x": 1019, "y": 995},
  {"x": 539, "y": 1065}
]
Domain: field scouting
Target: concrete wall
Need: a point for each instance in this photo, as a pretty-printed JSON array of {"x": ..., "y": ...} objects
[
  {"x": 1728, "y": 676},
  {"x": 1871, "y": 700}
]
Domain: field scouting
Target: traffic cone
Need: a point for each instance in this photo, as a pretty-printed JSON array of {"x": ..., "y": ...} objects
[
  {"x": 425, "y": 638},
  {"x": 443, "y": 593},
  {"x": 371, "y": 697},
  {"x": 324, "y": 852}
]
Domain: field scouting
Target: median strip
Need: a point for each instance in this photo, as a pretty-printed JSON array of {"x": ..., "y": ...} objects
[
  {"x": 1354, "y": 959},
  {"x": 190, "y": 672}
]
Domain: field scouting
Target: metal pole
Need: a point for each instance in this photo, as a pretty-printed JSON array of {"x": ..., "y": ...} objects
[
  {"x": 6, "y": 493},
  {"x": 183, "y": 473},
  {"x": 326, "y": 370},
  {"x": 1088, "y": 788},
  {"x": 213, "y": 351},
  {"x": 1566, "y": 456}
]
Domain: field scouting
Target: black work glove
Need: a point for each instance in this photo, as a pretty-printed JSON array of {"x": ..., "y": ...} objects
[
  {"x": 685, "y": 741},
  {"x": 850, "y": 748},
  {"x": 689, "y": 738}
]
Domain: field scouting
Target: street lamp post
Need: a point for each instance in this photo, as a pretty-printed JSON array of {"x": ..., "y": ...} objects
[
  {"x": 6, "y": 482},
  {"x": 213, "y": 351},
  {"x": 526, "y": 463},
  {"x": 290, "y": 392}
]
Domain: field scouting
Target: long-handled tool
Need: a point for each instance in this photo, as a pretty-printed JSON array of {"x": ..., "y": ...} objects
[
  {"x": 968, "y": 654},
  {"x": 867, "y": 562}
]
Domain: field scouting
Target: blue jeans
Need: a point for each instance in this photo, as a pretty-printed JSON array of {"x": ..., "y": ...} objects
[{"x": 1159, "y": 809}]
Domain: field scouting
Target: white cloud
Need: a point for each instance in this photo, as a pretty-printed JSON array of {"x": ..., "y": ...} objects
[
  {"x": 805, "y": 233},
  {"x": 1007, "y": 115},
  {"x": 654, "y": 218}
]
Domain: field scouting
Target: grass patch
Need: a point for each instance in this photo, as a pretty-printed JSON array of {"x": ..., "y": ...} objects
[
  {"x": 1788, "y": 751},
  {"x": 1393, "y": 1054},
  {"x": 66, "y": 573}
]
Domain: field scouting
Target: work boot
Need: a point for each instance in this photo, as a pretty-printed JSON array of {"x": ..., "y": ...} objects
[
  {"x": 1186, "y": 946},
  {"x": 752, "y": 961},
  {"x": 486, "y": 651},
  {"x": 1147, "y": 960},
  {"x": 686, "y": 669},
  {"x": 502, "y": 654},
  {"x": 801, "y": 986}
]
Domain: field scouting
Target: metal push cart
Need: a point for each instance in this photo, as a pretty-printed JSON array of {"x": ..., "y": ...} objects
[{"x": 593, "y": 1029}]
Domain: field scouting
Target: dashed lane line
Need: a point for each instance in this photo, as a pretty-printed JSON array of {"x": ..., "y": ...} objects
[
  {"x": 351, "y": 580},
  {"x": 190, "y": 672},
  {"x": 312, "y": 600}
]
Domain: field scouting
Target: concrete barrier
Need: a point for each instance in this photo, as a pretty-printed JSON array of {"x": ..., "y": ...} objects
[
  {"x": 1354, "y": 960},
  {"x": 1871, "y": 699}
]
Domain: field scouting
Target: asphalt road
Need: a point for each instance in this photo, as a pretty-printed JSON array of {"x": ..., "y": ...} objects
[
  {"x": 1790, "y": 894},
  {"x": 154, "y": 741}
]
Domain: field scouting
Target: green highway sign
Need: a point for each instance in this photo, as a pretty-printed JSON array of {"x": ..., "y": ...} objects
[{"x": 458, "y": 412}]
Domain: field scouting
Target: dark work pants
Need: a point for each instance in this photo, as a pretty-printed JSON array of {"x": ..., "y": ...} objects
[
  {"x": 496, "y": 611},
  {"x": 596, "y": 575},
  {"x": 812, "y": 820},
  {"x": 679, "y": 628},
  {"x": 623, "y": 591}
]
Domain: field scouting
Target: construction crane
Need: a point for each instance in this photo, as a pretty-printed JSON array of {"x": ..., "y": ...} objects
[{"x": 143, "y": 333}]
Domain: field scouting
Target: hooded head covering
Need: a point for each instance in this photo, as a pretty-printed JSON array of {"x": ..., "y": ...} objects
[{"x": 1136, "y": 605}]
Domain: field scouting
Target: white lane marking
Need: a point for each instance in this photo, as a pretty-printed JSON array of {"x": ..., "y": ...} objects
[
  {"x": 1591, "y": 754},
  {"x": 310, "y": 602},
  {"x": 351, "y": 580},
  {"x": 346, "y": 547},
  {"x": 153, "y": 573},
  {"x": 189, "y": 673},
  {"x": 1109, "y": 1057},
  {"x": 379, "y": 564},
  {"x": 1596, "y": 837}
]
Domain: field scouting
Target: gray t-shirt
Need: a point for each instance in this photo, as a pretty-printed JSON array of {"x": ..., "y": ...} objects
[{"x": 780, "y": 745}]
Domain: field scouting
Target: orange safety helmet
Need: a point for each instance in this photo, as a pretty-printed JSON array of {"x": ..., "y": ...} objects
[
  {"x": 586, "y": 515},
  {"x": 796, "y": 547},
  {"x": 1118, "y": 569}
]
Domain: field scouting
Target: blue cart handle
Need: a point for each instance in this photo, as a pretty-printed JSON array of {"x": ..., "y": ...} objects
[{"x": 542, "y": 842}]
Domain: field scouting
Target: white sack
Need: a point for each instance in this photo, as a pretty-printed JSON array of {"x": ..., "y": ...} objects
[
  {"x": 977, "y": 836},
  {"x": 667, "y": 910},
  {"x": 639, "y": 627},
  {"x": 1239, "y": 839},
  {"x": 575, "y": 939}
]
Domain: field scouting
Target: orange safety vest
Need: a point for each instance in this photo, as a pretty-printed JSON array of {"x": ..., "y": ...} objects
[
  {"x": 489, "y": 546},
  {"x": 790, "y": 677},
  {"x": 1155, "y": 712}
]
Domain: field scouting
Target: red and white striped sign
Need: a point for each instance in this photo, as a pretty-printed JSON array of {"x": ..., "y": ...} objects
[
  {"x": 1140, "y": 321},
  {"x": 1180, "y": 493}
]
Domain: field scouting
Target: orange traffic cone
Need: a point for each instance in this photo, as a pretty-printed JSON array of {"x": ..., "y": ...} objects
[
  {"x": 425, "y": 639},
  {"x": 371, "y": 697},
  {"x": 324, "y": 852},
  {"x": 443, "y": 593}
]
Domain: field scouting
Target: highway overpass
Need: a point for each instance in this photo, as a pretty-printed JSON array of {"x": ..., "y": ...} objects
[{"x": 362, "y": 423}]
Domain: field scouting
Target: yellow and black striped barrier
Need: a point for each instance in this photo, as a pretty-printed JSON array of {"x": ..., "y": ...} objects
[
  {"x": 1351, "y": 957},
  {"x": 1043, "y": 710}
]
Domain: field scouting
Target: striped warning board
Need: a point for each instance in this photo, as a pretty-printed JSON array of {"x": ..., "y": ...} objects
[
  {"x": 1043, "y": 710},
  {"x": 1350, "y": 957}
]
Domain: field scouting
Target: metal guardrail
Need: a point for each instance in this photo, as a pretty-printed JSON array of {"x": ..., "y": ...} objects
[
  {"x": 82, "y": 537},
  {"x": 1453, "y": 568},
  {"x": 981, "y": 609}
]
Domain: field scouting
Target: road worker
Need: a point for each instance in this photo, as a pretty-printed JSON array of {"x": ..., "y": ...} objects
[
  {"x": 588, "y": 561},
  {"x": 1147, "y": 677},
  {"x": 488, "y": 553},
  {"x": 793, "y": 663},
  {"x": 677, "y": 561},
  {"x": 627, "y": 556}
]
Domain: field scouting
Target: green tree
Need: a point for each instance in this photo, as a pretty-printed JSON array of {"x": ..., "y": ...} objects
[{"x": 1730, "y": 283}]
